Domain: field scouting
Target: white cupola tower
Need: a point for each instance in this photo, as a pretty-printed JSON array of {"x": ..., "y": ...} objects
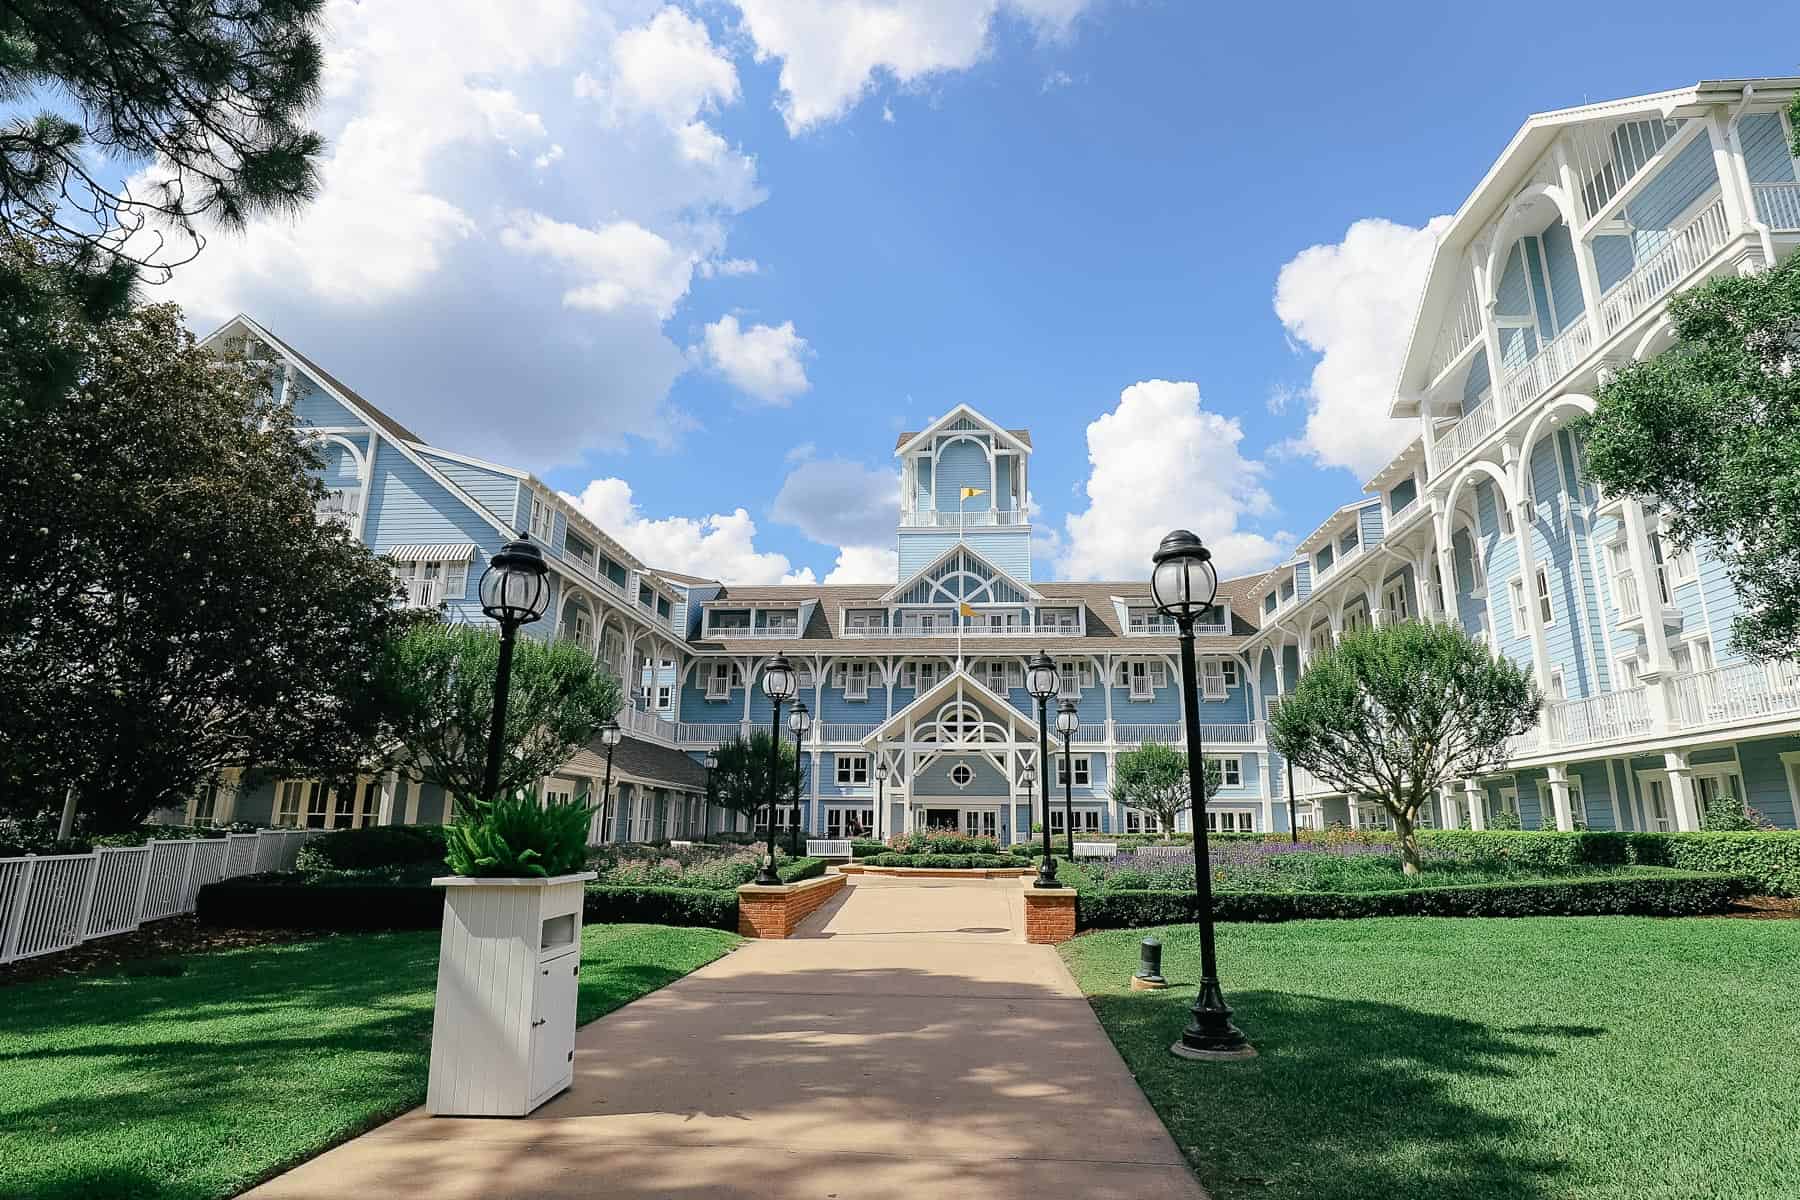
[{"x": 964, "y": 479}]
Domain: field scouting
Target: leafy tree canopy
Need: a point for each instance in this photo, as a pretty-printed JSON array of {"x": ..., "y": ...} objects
[
  {"x": 745, "y": 778},
  {"x": 1398, "y": 711},
  {"x": 1154, "y": 779},
  {"x": 1709, "y": 433},
  {"x": 169, "y": 604},
  {"x": 202, "y": 99},
  {"x": 438, "y": 692}
]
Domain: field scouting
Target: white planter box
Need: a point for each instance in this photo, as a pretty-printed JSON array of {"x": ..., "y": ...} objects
[{"x": 509, "y": 967}]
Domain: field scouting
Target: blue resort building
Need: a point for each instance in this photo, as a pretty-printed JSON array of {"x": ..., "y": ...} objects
[{"x": 1553, "y": 273}]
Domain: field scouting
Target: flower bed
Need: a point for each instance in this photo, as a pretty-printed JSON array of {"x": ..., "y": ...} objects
[
  {"x": 934, "y": 841},
  {"x": 716, "y": 868},
  {"x": 947, "y": 862}
]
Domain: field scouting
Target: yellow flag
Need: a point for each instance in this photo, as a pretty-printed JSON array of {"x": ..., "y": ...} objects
[
  {"x": 967, "y": 611},
  {"x": 969, "y": 493}
]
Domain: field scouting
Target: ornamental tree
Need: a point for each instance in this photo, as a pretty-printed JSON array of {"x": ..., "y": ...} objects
[
  {"x": 1708, "y": 432},
  {"x": 1154, "y": 779},
  {"x": 744, "y": 779},
  {"x": 437, "y": 687},
  {"x": 1398, "y": 711},
  {"x": 169, "y": 604}
]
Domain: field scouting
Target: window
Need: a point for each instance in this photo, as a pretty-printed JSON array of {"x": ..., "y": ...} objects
[
  {"x": 853, "y": 678},
  {"x": 1628, "y": 671},
  {"x": 1083, "y": 777},
  {"x": 1546, "y": 612},
  {"x": 1695, "y": 654},
  {"x": 1437, "y": 587},
  {"x": 1230, "y": 820},
  {"x": 206, "y": 803},
  {"x": 1212, "y": 678},
  {"x": 864, "y": 622},
  {"x": 789, "y": 621},
  {"x": 1557, "y": 690},
  {"x": 1230, "y": 770},
  {"x": 1517, "y": 588},
  {"x": 646, "y": 595},
  {"x": 542, "y": 522},
  {"x": 852, "y": 770},
  {"x": 961, "y": 775},
  {"x": 920, "y": 675},
  {"x": 1509, "y": 799},
  {"x": 663, "y": 608},
  {"x": 1089, "y": 820},
  {"x": 432, "y": 582},
  {"x": 1715, "y": 782},
  {"x": 1056, "y": 618},
  {"x": 721, "y": 679},
  {"x": 1149, "y": 620},
  {"x": 1075, "y": 676},
  {"x": 297, "y": 799},
  {"x": 338, "y": 504},
  {"x": 1662, "y": 568},
  {"x": 725, "y": 622},
  {"x": 580, "y": 551},
  {"x": 849, "y": 822},
  {"x": 1143, "y": 678},
  {"x": 1394, "y": 600},
  {"x": 1134, "y": 821},
  {"x": 1056, "y": 821},
  {"x": 1577, "y": 802},
  {"x": 1002, "y": 676},
  {"x": 1683, "y": 563},
  {"x": 1506, "y": 519},
  {"x": 1229, "y": 668},
  {"x": 665, "y": 696}
]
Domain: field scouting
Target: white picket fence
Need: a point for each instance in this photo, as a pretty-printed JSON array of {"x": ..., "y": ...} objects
[{"x": 50, "y": 902}]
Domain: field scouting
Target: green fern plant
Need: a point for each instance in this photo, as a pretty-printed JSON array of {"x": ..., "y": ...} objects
[{"x": 515, "y": 836}]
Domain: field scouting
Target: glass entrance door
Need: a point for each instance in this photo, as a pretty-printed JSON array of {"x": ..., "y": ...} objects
[{"x": 981, "y": 823}]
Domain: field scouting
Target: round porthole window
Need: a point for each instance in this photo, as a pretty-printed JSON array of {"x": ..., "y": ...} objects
[{"x": 961, "y": 776}]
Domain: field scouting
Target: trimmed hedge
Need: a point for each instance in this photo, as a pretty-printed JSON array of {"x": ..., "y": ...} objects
[
  {"x": 793, "y": 870},
  {"x": 290, "y": 901},
  {"x": 946, "y": 862},
  {"x": 1644, "y": 892},
  {"x": 374, "y": 846},
  {"x": 1769, "y": 861},
  {"x": 702, "y": 907}
]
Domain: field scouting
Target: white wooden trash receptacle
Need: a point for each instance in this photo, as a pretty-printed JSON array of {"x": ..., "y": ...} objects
[{"x": 509, "y": 967}]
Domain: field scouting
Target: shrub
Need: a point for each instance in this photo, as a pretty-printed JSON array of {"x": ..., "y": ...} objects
[
  {"x": 794, "y": 870},
  {"x": 375, "y": 846},
  {"x": 516, "y": 836},
  {"x": 947, "y": 862},
  {"x": 1769, "y": 861},
  {"x": 941, "y": 841},
  {"x": 719, "y": 868},
  {"x": 867, "y": 847},
  {"x": 1638, "y": 892},
  {"x": 703, "y": 907},
  {"x": 298, "y": 900}
]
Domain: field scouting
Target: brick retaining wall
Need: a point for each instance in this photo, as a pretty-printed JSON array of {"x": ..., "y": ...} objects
[
  {"x": 776, "y": 911},
  {"x": 1049, "y": 915}
]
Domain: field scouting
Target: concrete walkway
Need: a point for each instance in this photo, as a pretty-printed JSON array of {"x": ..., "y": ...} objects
[{"x": 907, "y": 1044}]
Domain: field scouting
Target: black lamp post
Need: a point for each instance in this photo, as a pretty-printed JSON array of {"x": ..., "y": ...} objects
[
  {"x": 1183, "y": 584},
  {"x": 881, "y": 774},
  {"x": 1028, "y": 781},
  {"x": 778, "y": 684},
  {"x": 1042, "y": 682},
  {"x": 800, "y": 721},
  {"x": 513, "y": 592},
  {"x": 1068, "y": 720},
  {"x": 610, "y": 735}
]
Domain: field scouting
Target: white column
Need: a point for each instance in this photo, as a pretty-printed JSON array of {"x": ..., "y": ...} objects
[
  {"x": 1476, "y": 799},
  {"x": 413, "y": 788},
  {"x": 1734, "y": 181},
  {"x": 1446, "y": 561},
  {"x": 1681, "y": 789},
  {"x": 1559, "y": 797},
  {"x": 385, "y": 806}
]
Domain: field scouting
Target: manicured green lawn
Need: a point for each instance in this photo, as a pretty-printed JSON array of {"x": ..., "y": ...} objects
[
  {"x": 1605, "y": 1058},
  {"x": 200, "y": 1083}
]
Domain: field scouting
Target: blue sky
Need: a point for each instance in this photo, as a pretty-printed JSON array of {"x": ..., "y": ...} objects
[{"x": 687, "y": 260}]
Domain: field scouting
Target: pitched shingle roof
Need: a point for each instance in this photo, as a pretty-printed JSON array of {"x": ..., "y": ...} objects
[
  {"x": 638, "y": 759},
  {"x": 1024, "y": 435},
  {"x": 388, "y": 423}
]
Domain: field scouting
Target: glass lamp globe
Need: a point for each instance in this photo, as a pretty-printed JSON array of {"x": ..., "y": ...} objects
[
  {"x": 513, "y": 589},
  {"x": 778, "y": 682},
  {"x": 1041, "y": 678},
  {"x": 611, "y": 734},
  {"x": 800, "y": 720},
  {"x": 1068, "y": 720},
  {"x": 1183, "y": 581}
]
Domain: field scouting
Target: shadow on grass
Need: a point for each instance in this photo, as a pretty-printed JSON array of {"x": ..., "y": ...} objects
[{"x": 1347, "y": 1099}]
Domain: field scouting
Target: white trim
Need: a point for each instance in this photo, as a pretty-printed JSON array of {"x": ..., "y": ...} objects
[{"x": 965, "y": 411}]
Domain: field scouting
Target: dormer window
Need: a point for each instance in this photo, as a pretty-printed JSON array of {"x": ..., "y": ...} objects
[
  {"x": 543, "y": 524},
  {"x": 1150, "y": 621},
  {"x": 865, "y": 621},
  {"x": 785, "y": 621},
  {"x": 1057, "y": 618}
]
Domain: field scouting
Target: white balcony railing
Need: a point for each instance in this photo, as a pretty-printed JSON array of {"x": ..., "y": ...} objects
[
  {"x": 1778, "y": 205},
  {"x": 1654, "y": 277},
  {"x": 339, "y": 504},
  {"x": 935, "y": 630},
  {"x": 424, "y": 593},
  {"x": 951, "y": 519},
  {"x": 1462, "y": 437},
  {"x": 1605, "y": 717},
  {"x": 772, "y": 632},
  {"x": 838, "y": 731},
  {"x": 1741, "y": 692},
  {"x": 1169, "y": 734},
  {"x": 1537, "y": 374}
]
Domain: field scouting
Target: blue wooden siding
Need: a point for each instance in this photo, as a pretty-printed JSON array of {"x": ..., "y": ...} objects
[
  {"x": 1563, "y": 277},
  {"x": 963, "y": 463},
  {"x": 1612, "y": 260},
  {"x": 496, "y": 490},
  {"x": 312, "y": 406},
  {"x": 1540, "y": 293},
  {"x": 933, "y": 784},
  {"x": 405, "y": 506},
  {"x": 340, "y": 466},
  {"x": 1765, "y": 149},
  {"x": 922, "y": 486},
  {"x": 1477, "y": 381},
  {"x": 1402, "y": 494},
  {"x": 1668, "y": 196},
  {"x": 1766, "y": 784},
  {"x": 1369, "y": 524},
  {"x": 1512, "y": 296}
]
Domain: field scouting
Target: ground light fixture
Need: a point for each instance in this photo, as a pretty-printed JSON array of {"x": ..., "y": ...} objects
[
  {"x": 779, "y": 685},
  {"x": 1068, "y": 720},
  {"x": 800, "y": 722},
  {"x": 610, "y": 737},
  {"x": 1183, "y": 582},
  {"x": 1042, "y": 681},
  {"x": 513, "y": 593}
]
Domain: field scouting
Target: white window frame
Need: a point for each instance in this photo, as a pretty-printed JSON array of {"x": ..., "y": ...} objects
[
  {"x": 722, "y": 680},
  {"x": 1516, "y": 590},
  {"x": 1693, "y": 654},
  {"x": 1056, "y": 821},
  {"x": 1628, "y": 672},
  {"x": 543, "y": 519},
  {"x": 1717, "y": 774},
  {"x": 1230, "y": 820},
  {"x": 1231, "y": 769},
  {"x": 963, "y": 769},
  {"x": 1558, "y": 686},
  {"x": 1212, "y": 679},
  {"x": 452, "y": 579},
  {"x": 1135, "y": 821},
  {"x": 1577, "y": 799},
  {"x": 1229, "y": 667},
  {"x": 851, "y": 770},
  {"x": 1546, "y": 605},
  {"x": 1081, "y": 673},
  {"x": 1083, "y": 767},
  {"x": 1684, "y": 565},
  {"x": 853, "y": 679},
  {"x": 665, "y": 696},
  {"x": 1394, "y": 600}
]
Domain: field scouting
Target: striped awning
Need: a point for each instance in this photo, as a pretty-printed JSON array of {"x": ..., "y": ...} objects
[{"x": 423, "y": 552}]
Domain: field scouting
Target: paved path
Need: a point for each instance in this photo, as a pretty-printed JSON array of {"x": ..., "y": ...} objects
[{"x": 907, "y": 1044}]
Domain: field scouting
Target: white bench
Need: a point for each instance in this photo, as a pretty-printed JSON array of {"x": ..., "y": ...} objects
[
  {"x": 1096, "y": 849},
  {"x": 827, "y": 847}
]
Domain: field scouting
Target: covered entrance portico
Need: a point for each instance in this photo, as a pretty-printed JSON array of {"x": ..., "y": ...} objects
[{"x": 956, "y": 757}]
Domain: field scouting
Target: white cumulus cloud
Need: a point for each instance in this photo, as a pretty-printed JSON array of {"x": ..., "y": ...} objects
[
  {"x": 720, "y": 546},
  {"x": 865, "y": 564},
  {"x": 1161, "y": 461},
  {"x": 1352, "y": 303},
  {"x": 762, "y": 361},
  {"x": 615, "y": 265},
  {"x": 831, "y": 50}
]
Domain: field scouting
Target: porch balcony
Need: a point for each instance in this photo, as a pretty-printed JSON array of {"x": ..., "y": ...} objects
[
  {"x": 424, "y": 593},
  {"x": 1606, "y": 717},
  {"x": 1778, "y": 205},
  {"x": 932, "y": 518},
  {"x": 1736, "y": 694}
]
